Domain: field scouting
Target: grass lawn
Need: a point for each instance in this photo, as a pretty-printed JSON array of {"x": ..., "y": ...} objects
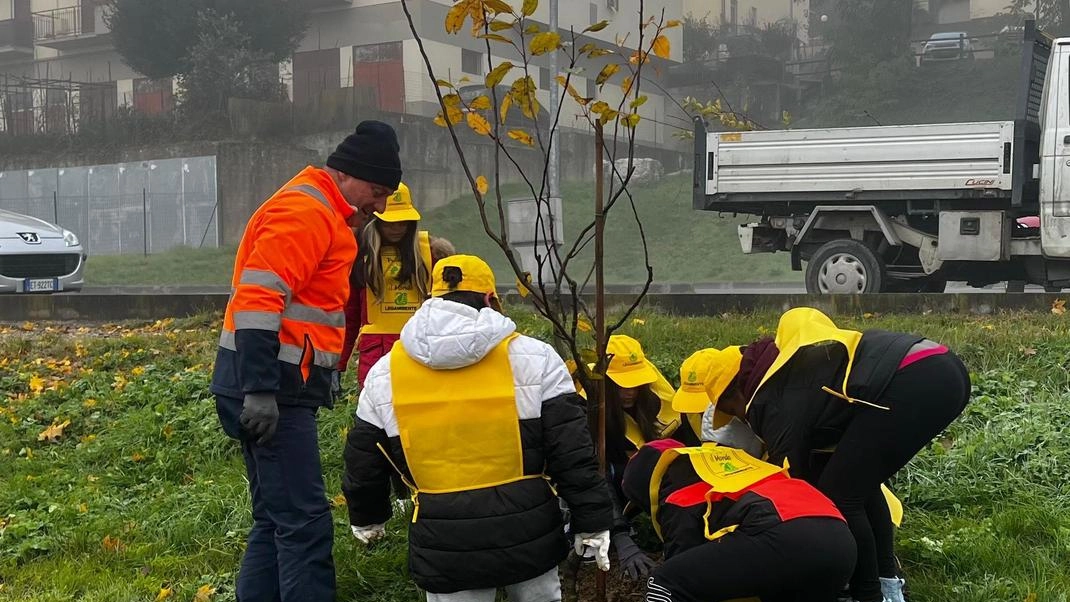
[
  {"x": 141, "y": 491},
  {"x": 176, "y": 267},
  {"x": 685, "y": 245}
]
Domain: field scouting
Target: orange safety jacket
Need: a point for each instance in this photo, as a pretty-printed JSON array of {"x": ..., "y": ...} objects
[{"x": 284, "y": 323}]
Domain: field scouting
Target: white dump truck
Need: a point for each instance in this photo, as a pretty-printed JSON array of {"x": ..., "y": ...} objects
[{"x": 907, "y": 208}]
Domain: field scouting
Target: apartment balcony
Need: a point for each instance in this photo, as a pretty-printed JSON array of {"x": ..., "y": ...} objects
[
  {"x": 16, "y": 33},
  {"x": 73, "y": 28}
]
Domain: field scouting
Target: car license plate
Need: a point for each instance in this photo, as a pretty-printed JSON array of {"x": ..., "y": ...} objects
[{"x": 40, "y": 285}]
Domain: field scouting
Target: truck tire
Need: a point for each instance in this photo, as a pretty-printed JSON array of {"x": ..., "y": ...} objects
[{"x": 844, "y": 266}]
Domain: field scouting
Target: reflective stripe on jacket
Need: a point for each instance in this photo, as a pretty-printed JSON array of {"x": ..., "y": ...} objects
[{"x": 284, "y": 325}]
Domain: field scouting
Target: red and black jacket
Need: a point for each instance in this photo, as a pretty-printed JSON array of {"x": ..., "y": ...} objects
[{"x": 683, "y": 499}]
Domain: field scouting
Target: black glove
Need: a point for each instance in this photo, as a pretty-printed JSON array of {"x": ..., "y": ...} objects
[
  {"x": 633, "y": 562},
  {"x": 260, "y": 416},
  {"x": 336, "y": 386}
]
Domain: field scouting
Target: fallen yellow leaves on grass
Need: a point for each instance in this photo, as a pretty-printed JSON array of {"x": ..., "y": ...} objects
[
  {"x": 1058, "y": 307},
  {"x": 204, "y": 593},
  {"x": 112, "y": 544},
  {"x": 53, "y": 432}
]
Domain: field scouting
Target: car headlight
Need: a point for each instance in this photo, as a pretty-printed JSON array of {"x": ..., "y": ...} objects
[{"x": 70, "y": 239}]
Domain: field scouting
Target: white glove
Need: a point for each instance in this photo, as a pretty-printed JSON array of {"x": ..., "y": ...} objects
[
  {"x": 599, "y": 543},
  {"x": 370, "y": 533}
]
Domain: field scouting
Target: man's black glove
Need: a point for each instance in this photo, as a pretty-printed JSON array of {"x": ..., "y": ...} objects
[
  {"x": 336, "y": 386},
  {"x": 260, "y": 416},
  {"x": 633, "y": 562}
]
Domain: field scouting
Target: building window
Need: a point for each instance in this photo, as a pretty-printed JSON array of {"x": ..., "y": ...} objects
[
  {"x": 377, "y": 53},
  {"x": 471, "y": 61}
]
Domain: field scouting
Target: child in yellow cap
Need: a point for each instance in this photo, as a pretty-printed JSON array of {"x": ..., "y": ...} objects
[{"x": 391, "y": 278}]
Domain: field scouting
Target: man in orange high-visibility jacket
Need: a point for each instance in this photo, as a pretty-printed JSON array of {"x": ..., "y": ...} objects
[{"x": 281, "y": 340}]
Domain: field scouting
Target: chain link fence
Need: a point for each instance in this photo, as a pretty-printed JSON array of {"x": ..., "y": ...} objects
[{"x": 124, "y": 208}]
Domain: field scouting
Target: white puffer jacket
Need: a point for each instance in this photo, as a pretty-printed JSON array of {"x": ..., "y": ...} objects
[{"x": 445, "y": 335}]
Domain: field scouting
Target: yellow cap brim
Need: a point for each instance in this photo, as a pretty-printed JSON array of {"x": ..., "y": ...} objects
[
  {"x": 403, "y": 215},
  {"x": 690, "y": 402},
  {"x": 631, "y": 379}
]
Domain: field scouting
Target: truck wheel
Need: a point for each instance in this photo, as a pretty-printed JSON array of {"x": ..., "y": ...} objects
[{"x": 844, "y": 267}]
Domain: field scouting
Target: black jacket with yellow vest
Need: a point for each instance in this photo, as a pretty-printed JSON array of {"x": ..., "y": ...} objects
[
  {"x": 488, "y": 427},
  {"x": 822, "y": 376},
  {"x": 284, "y": 324}
]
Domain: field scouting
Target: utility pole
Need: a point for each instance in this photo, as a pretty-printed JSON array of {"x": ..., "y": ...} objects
[{"x": 552, "y": 165}]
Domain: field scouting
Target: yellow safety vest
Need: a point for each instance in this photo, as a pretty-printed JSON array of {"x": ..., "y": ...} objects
[
  {"x": 459, "y": 429},
  {"x": 400, "y": 300},
  {"x": 724, "y": 469}
]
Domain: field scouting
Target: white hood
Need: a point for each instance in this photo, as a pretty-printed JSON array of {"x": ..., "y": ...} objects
[
  {"x": 13, "y": 223},
  {"x": 445, "y": 335}
]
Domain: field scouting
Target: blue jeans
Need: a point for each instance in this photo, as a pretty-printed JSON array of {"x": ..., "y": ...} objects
[{"x": 288, "y": 557}]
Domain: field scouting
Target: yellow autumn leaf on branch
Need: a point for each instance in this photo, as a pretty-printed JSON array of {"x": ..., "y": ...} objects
[
  {"x": 606, "y": 73},
  {"x": 479, "y": 103},
  {"x": 481, "y": 185},
  {"x": 456, "y": 15},
  {"x": 497, "y": 6},
  {"x": 599, "y": 26},
  {"x": 522, "y": 137},
  {"x": 204, "y": 593},
  {"x": 496, "y": 74},
  {"x": 547, "y": 41},
  {"x": 478, "y": 123},
  {"x": 661, "y": 47},
  {"x": 522, "y": 285},
  {"x": 504, "y": 110}
]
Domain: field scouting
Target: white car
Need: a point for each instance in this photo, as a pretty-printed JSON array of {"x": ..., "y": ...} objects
[{"x": 38, "y": 257}]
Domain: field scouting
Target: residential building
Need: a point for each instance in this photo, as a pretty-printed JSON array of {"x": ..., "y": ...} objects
[
  {"x": 753, "y": 14},
  {"x": 350, "y": 46},
  {"x": 368, "y": 44}
]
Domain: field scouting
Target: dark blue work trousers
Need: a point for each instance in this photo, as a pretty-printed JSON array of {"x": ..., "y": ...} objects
[{"x": 288, "y": 556}]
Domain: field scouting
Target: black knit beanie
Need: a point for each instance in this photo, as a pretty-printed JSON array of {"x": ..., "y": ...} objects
[{"x": 370, "y": 154}]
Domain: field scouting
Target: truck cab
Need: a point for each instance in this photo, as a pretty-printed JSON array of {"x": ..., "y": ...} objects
[{"x": 906, "y": 208}]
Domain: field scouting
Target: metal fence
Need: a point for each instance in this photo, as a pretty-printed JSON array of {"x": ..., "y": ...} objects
[{"x": 124, "y": 208}]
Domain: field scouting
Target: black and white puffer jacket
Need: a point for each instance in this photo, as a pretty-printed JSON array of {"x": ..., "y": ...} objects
[{"x": 495, "y": 536}]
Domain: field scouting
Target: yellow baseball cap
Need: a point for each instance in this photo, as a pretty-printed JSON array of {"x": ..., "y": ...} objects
[
  {"x": 704, "y": 377},
  {"x": 476, "y": 276},
  {"x": 628, "y": 366},
  {"x": 399, "y": 207}
]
